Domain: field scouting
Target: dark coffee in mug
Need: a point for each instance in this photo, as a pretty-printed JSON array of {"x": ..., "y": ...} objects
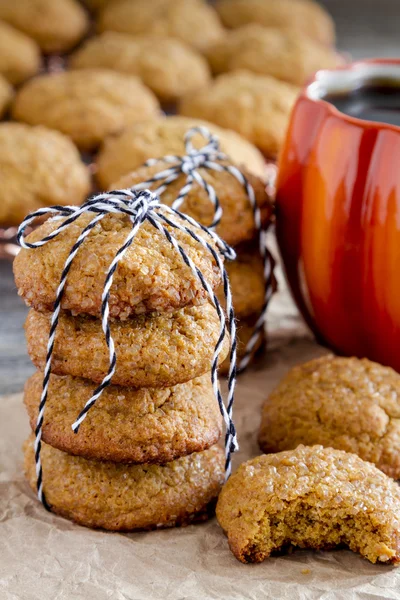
[{"x": 374, "y": 101}]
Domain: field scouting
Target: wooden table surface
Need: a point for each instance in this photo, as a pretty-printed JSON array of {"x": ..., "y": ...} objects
[{"x": 365, "y": 28}]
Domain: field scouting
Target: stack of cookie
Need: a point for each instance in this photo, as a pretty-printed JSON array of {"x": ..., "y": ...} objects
[
  {"x": 146, "y": 454},
  {"x": 237, "y": 227}
]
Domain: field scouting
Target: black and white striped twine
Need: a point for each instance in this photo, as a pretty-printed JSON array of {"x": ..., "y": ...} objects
[
  {"x": 210, "y": 157},
  {"x": 141, "y": 206}
]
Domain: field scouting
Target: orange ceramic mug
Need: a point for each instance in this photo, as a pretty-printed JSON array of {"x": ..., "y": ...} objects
[{"x": 338, "y": 216}]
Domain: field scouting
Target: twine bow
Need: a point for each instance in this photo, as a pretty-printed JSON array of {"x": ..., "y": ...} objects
[
  {"x": 141, "y": 206},
  {"x": 210, "y": 157}
]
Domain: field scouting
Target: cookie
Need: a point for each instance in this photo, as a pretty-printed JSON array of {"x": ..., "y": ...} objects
[
  {"x": 6, "y": 95},
  {"x": 237, "y": 222},
  {"x": 311, "y": 497},
  {"x": 39, "y": 167},
  {"x": 259, "y": 107},
  {"x": 247, "y": 283},
  {"x": 156, "y": 138},
  {"x": 56, "y": 25},
  {"x": 19, "y": 55},
  {"x": 191, "y": 21},
  {"x": 161, "y": 350},
  {"x": 166, "y": 65},
  {"x": 85, "y": 105},
  {"x": 122, "y": 497},
  {"x": 346, "y": 403},
  {"x": 285, "y": 54},
  {"x": 244, "y": 331},
  {"x": 304, "y": 15},
  {"x": 127, "y": 425},
  {"x": 151, "y": 276}
]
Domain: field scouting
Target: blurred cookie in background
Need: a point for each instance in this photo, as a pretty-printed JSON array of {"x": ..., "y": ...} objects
[
  {"x": 304, "y": 15},
  {"x": 56, "y": 25},
  {"x": 169, "y": 67},
  {"x": 256, "y": 106},
  {"x": 19, "y": 54},
  {"x": 192, "y": 21},
  {"x": 85, "y": 105},
  {"x": 38, "y": 167},
  {"x": 158, "y": 137},
  {"x": 6, "y": 95},
  {"x": 286, "y": 54}
]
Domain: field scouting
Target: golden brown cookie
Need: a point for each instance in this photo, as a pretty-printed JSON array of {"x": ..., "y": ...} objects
[
  {"x": 247, "y": 282},
  {"x": 151, "y": 276},
  {"x": 244, "y": 331},
  {"x": 304, "y": 15},
  {"x": 86, "y": 105},
  {"x": 256, "y": 106},
  {"x": 285, "y": 54},
  {"x": 166, "y": 65},
  {"x": 346, "y": 403},
  {"x": 144, "y": 425},
  {"x": 39, "y": 167},
  {"x": 122, "y": 497},
  {"x": 56, "y": 25},
  {"x": 160, "y": 350},
  {"x": 311, "y": 497},
  {"x": 191, "y": 21},
  {"x": 19, "y": 54},
  {"x": 237, "y": 222},
  {"x": 156, "y": 138},
  {"x": 6, "y": 95}
]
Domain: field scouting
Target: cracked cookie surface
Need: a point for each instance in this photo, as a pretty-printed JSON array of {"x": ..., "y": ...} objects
[
  {"x": 346, "y": 403},
  {"x": 127, "y": 425},
  {"x": 39, "y": 167},
  {"x": 287, "y": 55},
  {"x": 86, "y": 105},
  {"x": 151, "y": 276},
  {"x": 122, "y": 497},
  {"x": 237, "y": 222},
  {"x": 159, "y": 350},
  {"x": 304, "y": 15},
  {"x": 159, "y": 137},
  {"x": 166, "y": 65},
  {"x": 311, "y": 497},
  {"x": 259, "y": 107},
  {"x": 192, "y": 21},
  {"x": 56, "y": 25}
]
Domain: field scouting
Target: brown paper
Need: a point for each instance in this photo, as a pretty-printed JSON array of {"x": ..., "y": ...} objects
[{"x": 44, "y": 557}]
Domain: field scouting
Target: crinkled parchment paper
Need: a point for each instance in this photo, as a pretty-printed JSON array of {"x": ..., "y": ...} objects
[{"x": 44, "y": 557}]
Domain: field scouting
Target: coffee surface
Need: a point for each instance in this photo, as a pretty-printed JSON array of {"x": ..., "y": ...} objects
[{"x": 379, "y": 101}]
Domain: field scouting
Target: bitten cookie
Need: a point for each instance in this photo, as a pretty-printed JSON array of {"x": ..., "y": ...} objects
[
  {"x": 311, "y": 497},
  {"x": 285, "y": 54},
  {"x": 191, "y": 21},
  {"x": 151, "y": 276},
  {"x": 19, "y": 55},
  {"x": 346, "y": 403},
  {"x": 127, "y": 497},
  {"x": 127, "y": 425},
  {"x": 161, "y": 350},
  {"x": 305, "y": 15},
  {"x": 6, "y": 95},
  {"x": 86, "y": 105},
  {"x": 167, "y": 66},
  {"x": 156, "y": 138},
  {"x": 237, "y": 222},
  {"x": 38, "y": 167},
  {"x": 56, "y": 25},
  {"x": 259, "y": 107}
]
